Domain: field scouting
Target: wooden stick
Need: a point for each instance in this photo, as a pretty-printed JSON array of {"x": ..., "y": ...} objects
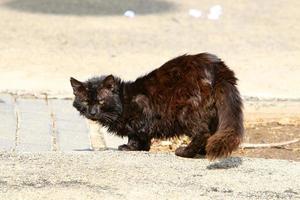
[{"x": 269, "y": 145}]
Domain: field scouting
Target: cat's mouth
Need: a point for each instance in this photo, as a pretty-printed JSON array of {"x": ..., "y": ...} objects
[{"x": 93, "y": 118}]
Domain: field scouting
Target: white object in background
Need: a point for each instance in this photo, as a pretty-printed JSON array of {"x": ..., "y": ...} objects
[
  {"x": 195, "y": 13},
  {"x": 214, "y": 12},
  {"x": 129, "y": 13}
]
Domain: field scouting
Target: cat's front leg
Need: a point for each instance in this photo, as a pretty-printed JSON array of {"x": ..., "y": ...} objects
[
  {"x": 136, "y": 144},
  {"x": 132, "y": 145},
  {"x": 126, "y": 147}
]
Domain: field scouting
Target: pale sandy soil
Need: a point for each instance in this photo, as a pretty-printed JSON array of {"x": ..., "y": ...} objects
[
  {"x": 140, "y": 175},
  {"x": 44, "y": 42}
]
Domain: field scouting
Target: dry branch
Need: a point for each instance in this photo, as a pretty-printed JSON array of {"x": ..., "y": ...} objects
[{"x": 268, "y": 145}]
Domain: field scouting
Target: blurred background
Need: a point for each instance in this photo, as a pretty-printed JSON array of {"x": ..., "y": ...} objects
[{"x": 44, "y": 42}]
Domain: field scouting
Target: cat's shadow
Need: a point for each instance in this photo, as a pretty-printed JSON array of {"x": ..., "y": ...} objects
[
  {"x": 90, "y": 7},
  {"x": 83, "y": 149},
  {"x": 96, "y": 150},
  {"x": 227, "y": 163}
]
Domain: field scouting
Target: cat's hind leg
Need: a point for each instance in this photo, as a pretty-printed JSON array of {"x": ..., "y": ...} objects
[{"x": 196, "y": 146}]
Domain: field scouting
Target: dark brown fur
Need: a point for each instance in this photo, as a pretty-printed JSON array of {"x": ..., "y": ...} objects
[{"x": 193, "y": 95}]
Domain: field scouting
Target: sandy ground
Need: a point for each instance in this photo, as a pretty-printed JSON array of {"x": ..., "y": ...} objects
[
  {"x": 136, "y": 175},
  {"x": 44, "y": 42}
]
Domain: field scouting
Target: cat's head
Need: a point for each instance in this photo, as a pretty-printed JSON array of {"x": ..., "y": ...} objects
[{"x": 98, "y": 98}]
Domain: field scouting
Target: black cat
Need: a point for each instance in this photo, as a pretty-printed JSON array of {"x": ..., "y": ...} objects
[{"x": 193, "y": 95}]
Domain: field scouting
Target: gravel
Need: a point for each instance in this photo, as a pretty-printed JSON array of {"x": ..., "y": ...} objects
[{"x": 135, "y": 175}]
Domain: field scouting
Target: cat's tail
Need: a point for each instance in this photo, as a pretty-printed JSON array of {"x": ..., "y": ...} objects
[{"x": 230, "y": 115}]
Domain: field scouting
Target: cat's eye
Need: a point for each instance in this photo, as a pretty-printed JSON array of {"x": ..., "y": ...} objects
[{"x": 101, "y": 102}]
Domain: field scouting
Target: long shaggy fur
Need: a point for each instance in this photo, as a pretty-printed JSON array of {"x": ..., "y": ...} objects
[{"x": 192, "y": 95}]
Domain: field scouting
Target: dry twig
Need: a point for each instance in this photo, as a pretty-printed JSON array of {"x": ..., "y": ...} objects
[{"x": 269, "y": 145}]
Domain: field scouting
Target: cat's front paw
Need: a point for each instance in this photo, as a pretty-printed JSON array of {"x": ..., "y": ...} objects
[
  {"x": 185, "y": 152},
  {"x": 126, "y": 147}
]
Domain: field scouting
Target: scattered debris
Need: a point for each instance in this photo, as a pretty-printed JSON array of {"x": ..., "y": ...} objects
[
  {"x": 129, "y": 13},
  {"x": 214, "y": 12},
  {"x": 195, "y": 13},
  {"x": 166, "y": 143}
]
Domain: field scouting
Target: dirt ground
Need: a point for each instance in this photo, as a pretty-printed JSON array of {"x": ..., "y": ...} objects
[
  {"x": 141, "y": 175},
  {"x": 271, "y": 133},
  {"x": 259, "y": 134},
  {"x": 265, "y": 122}
]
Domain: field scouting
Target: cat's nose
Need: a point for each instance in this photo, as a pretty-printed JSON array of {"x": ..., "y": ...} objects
[{"x": 93, "y": 112}]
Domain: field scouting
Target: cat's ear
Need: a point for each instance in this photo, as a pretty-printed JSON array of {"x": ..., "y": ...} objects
[
  {"x": 109, "y": 82},
  {"x": 78, "y": 87}
]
